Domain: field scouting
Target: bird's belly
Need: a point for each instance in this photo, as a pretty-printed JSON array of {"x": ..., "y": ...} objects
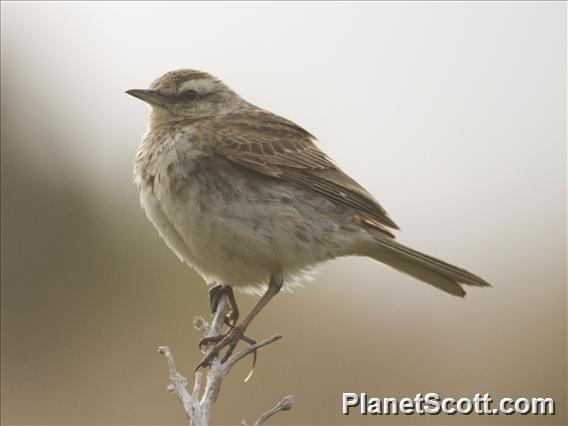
[{"x": 242, "y": 240}]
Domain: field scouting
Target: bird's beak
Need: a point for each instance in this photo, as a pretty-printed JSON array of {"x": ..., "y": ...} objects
[{"x": 150, "y": 96}]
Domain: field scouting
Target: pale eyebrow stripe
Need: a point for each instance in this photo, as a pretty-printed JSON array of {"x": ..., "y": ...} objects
[{"x": 197, "y": 85}]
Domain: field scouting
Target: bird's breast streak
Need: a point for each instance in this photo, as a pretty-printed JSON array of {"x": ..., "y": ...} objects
[{"x": 229, "y": 227}]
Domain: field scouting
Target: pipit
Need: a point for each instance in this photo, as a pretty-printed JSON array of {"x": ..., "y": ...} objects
[{"x": 248, "y": 200}]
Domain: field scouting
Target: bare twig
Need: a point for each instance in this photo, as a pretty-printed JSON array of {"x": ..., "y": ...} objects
[
  {"x": 248, "y": 350},
  {"x": 178, "y": 384},
  {"x": 198, "y": 404},
  {"x": 215, "y": 373},
  {"x": 283, "y": 405}
]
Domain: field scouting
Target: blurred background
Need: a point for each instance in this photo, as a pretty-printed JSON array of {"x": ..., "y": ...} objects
[{"x": 451, "y": 114}]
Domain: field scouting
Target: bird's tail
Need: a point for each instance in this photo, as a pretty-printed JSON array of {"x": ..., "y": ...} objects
[{"x": 426, "y": 268}]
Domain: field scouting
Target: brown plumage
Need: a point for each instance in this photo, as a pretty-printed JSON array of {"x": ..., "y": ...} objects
[
  {"x": 277, "y": 147},
  {"x": 248, "y": 199}
]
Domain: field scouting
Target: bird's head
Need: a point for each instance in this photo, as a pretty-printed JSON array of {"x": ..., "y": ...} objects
[{"x": 185, "y": 93}]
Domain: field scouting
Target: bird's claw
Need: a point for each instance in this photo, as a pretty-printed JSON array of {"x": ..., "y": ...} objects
[
  {"x": 209, "y": 340},
  {"x": 231, "y": 319},
  {"x": 230, "y": 340},
  {"x": 215, "y": 295}
]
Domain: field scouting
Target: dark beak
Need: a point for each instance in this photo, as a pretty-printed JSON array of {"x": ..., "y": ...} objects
[{"x": 149, "y": 96}]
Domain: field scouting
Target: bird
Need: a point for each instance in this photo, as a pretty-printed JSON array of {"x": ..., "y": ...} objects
[{"x": 248, "y": 199}]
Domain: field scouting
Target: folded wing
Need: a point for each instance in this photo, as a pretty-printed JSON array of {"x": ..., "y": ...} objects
[{"x": 276, "y": 147}]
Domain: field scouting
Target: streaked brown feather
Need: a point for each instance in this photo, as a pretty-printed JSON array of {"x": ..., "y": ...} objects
[{"x": 274, "y": 146}]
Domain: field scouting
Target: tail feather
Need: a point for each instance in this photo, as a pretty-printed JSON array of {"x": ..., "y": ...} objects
[{"x": 426, "y": 268}]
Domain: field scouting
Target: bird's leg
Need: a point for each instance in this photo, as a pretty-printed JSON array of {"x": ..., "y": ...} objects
[
  {"x": 234, "y": 315},
  {"x": 231, "y": 339},
  {"x": 215, "y": 295}
]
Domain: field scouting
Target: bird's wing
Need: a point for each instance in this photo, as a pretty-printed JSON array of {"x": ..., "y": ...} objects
[{"x": 276, "y": 147}]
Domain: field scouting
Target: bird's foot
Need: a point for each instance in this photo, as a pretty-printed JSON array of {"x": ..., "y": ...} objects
[
  {"x": 215, "y": 295},
  {"x": 216, "y": 339},
  {"x": 227, "y": 340}
]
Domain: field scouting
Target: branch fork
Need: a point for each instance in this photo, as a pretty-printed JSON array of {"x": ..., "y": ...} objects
[{"x": 198, "y": 403}]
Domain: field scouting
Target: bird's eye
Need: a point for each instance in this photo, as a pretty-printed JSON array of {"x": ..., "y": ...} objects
[{"x": 189, "y": 95}]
